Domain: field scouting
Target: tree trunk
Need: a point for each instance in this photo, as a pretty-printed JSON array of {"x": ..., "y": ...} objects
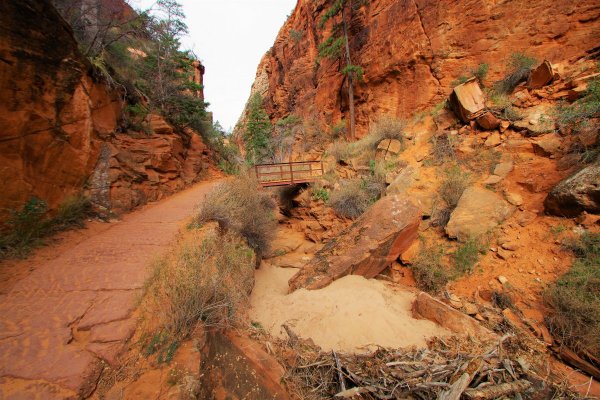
[{"x": 349, "y": 74}]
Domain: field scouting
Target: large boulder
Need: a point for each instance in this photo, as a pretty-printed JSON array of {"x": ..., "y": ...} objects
[
  {"x": 237, "y": 367},
  {"x": 577, "y": 193},
  {"x": 365, "y": 248},
  {"x": 478, "y": 211},
  {"x": 467, "y": 100}
]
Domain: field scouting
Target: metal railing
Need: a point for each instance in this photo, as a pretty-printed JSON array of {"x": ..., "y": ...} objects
[{"x": 291, "y": 173}]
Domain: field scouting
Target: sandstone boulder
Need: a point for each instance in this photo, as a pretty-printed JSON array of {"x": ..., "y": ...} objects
[
  {"x": 365, "y": 248},
  {"x": 547, "y": 145},
  {"x": 488, "y": 121},
  {"x": 536, "y": 121},
  {"x": 541, "y": 76},
  {"x": 467, "y": 100},
  {"x": 238, "y": 368},
  {"x": 577, "y": 193},
  {"x": 388, "y": 148},
  {"x": 432, "y": 309},
  {"x": 478, "y": 211}
]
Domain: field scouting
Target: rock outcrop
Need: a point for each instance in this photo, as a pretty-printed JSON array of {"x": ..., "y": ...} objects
[
  {"x": 59, "y": 126},
  {"x": 576, "y": 194},
  {"x": 366, "y": 248},
  {"x": 478, "y": 212},
  {"x": 411, "y": 51}
]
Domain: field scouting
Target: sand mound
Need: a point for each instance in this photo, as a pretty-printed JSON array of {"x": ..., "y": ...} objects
[{"x": 353, "y": 314}]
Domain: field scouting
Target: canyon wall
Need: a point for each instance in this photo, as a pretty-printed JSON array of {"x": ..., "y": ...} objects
[
  {"x": 411, "y": 51},
  {"x": 60, "y": 129}
]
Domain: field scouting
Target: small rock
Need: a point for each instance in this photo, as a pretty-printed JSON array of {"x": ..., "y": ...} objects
[
  {"x": 478, "y": 317},
  {"x": 503, "y": 254},
  {"x": 503, "y": 169},
  {"x": 502, "y": 279},
  {"x": 493, "y": 140},
  {"x": 510, "y": 246},
  {"x": 492, "y": 180},
  {"x": 513, "y": 198},
  {"x": 470, "y": 309},
  {"x": 504, "y": 125}
]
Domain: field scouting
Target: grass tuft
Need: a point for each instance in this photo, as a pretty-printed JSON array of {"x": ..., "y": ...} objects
[
  {"x": 575, "y": 298},
  {"x": 241, "y": 207}
]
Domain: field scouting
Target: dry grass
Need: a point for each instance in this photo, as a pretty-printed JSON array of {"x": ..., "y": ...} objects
[
  {"x": 386, "y": 127},
  {"x": 354, "y": 196},
  {"x": 206, "y": 279},
  {"x": 351, "y": 200},
  {"x": 575, "y": 299},
  {"x": 428, "y": 270},
  {"x": 443, "y": 148},
  {"x": 341, "y": 150},
  {"x": 454, "y": 184},
  {"x": 240, "y": 206}
]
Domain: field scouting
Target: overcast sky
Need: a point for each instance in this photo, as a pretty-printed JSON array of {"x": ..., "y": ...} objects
[{"x": 230, "y": 37}]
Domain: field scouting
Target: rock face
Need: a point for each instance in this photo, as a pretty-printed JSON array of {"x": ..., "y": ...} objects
[
  {"x": 366, "y": 248},
  {"x": 59, "y": 126},
  {"x": 478, "y": 211},
  {"x": 580, "y": 192},
  {"x": 411, "y": 51},
  {"x": 238, "y": 368}
]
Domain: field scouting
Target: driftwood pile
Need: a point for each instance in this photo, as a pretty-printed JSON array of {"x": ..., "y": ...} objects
[{"x": 446, "y": 370}]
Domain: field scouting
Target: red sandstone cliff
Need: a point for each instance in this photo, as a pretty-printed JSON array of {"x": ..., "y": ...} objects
[
  {"x": 411, "y": 50},
  {"x": 59, "y": 127}
]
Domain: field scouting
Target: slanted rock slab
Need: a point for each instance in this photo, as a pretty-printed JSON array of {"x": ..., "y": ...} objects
[
  {"x": 478, "y": 211},
  {"x": 577, "y": 193},
  {"x": 365, "y": 248}
]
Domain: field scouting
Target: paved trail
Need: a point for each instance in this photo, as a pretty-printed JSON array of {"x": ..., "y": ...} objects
[{"x": 72, "y": 311}]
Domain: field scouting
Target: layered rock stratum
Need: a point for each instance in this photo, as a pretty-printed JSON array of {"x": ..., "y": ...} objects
[
  {"x": 60, "y": 128},
  {"x": 411, "y": 51}
]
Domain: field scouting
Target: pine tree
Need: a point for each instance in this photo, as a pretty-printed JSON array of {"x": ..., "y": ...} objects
[
  {"x": 257, "y": 134},
  {"x": 332, "y": 48}
]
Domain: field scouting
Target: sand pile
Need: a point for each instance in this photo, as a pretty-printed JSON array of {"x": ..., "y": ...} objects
[{"x": 353, "y": 314}]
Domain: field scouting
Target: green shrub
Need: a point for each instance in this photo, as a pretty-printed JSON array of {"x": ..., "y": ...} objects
[
  {"x": 25, "y": 228},
  {"x": 575, "y": 298},
  {"x": 466, "y": 255},
  {"x": 459, "y": 81},
  {"x": 241, "y": 207},
  {"x": 320, "y": 194},
  {"x": 579, "y": 115},
  {"x": 428, "y": 270},
  {"x": 519, "y": 66},
  {"x": 480, "y": 72},
  {"x": 296, "y": 35}
]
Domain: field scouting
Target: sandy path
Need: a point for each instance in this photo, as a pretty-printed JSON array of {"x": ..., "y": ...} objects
[
  {"x": 352, "y": 314},
  {"x": 72, "y": 311}
]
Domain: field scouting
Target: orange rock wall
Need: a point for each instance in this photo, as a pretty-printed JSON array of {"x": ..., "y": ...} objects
[
  {"x": 58, "y": 126},
  {"x": 411, "y": 51}
]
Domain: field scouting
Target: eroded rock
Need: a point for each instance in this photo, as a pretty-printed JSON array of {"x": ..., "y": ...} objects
[
  {"x": 366, "y": 248},
  {"x": 467, "y": 100},
  {"x": 478, "y": 211},
  {"x": 579, "y": 192}
]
